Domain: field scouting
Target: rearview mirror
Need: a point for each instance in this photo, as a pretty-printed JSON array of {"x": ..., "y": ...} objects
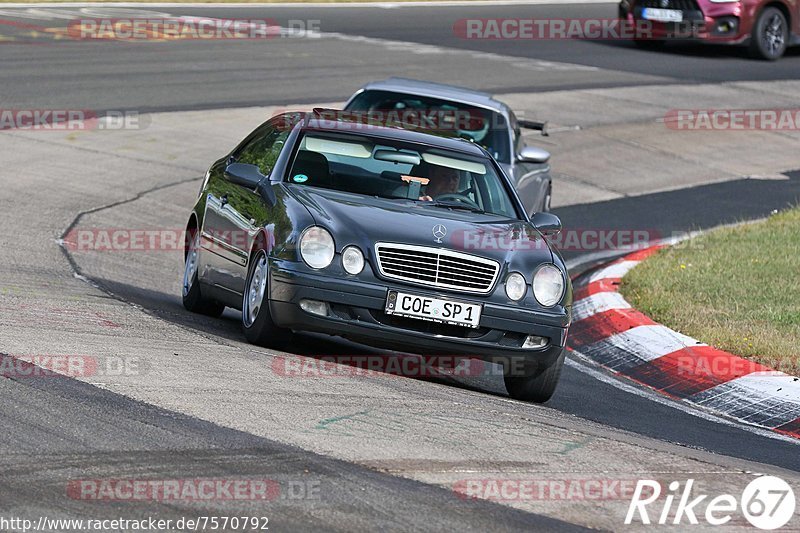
[
  {"x": 531, "y": 154},
  {"x": 397, "y": 157},
  {"x": 243, "y": 174},
  {"x": 547, "y": 223}
]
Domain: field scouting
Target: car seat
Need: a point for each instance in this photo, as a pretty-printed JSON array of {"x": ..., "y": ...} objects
[{"x": 315, "y": 166}]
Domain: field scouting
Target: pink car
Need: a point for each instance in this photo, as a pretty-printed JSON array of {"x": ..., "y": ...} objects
[{"x": 768, "y": 27}]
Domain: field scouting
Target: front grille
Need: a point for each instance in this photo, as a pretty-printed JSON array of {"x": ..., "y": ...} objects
[
  {"x": 682, "y": 5},
  {"x": 437, "y": 267}
]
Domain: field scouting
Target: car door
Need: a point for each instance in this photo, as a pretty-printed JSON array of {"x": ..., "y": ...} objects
[{"x": 234, "y": 213}]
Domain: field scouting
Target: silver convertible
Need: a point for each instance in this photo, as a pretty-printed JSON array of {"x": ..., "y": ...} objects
[{"x": 493, "y": 126}]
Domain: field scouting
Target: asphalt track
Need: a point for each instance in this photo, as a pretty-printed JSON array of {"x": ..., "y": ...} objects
[
  {"x": 98, "y": 433},
  {"x": 145, "y": 76},
  {"x": 124, "y": 437}
]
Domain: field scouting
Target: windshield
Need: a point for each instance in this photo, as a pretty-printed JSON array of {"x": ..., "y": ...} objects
[
  {"x": 392, "y": 169},
  {"x": 483, "y": 126}
]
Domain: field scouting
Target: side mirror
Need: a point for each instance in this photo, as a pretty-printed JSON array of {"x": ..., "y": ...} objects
[
  {"x": 531, "y": 154},
  {"x": 547, "y": 223},
  {"x": 250, "y": 176},
  {"x": 243, "y": 174}
]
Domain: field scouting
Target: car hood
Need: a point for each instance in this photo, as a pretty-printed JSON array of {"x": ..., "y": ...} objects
[{"x": 363, "y": 220}]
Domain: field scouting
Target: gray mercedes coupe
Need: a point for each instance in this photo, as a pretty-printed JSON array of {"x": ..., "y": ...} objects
[{"x": 393, "y": 238}]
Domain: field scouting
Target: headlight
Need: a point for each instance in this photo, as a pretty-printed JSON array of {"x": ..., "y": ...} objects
[
  {"x": 515, "y": 286},
  {"x": 352, "y": 260},
  {"x": 548, "y": 285},
  {"x": 316, "y": 247}
]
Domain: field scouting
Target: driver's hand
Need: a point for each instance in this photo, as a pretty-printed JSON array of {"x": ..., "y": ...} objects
[{"x": 426, "y": 198}]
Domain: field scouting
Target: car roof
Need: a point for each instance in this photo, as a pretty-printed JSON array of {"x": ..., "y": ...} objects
[
  {"x": 439, "y": 90},
  {"x": 314, "y": 122}
]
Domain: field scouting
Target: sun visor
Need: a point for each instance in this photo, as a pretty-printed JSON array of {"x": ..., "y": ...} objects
[
  {"x": 458, "y": 164},
  {"x": 329, "y": 146}
]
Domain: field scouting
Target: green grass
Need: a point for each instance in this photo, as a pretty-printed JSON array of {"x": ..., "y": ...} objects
[{"x": 737, "y": 289}]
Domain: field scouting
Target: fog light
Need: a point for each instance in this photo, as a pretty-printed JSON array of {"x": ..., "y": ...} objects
[
  {"x": 726, "y": 26},
  {"x": 534, "y": 342},
  {"x": 315, "y": 307}
]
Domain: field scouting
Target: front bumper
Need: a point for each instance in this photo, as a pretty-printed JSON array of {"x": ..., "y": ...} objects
[
  {"x": 356, "y": 312},
  {"x": 721, "y": 23}
]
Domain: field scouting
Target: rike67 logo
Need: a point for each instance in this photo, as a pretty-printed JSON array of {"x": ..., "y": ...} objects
[{"x": 767, "y": 503}]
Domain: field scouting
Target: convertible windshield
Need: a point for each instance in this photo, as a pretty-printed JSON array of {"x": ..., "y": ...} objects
[
  {"x": 391, "y": 169},
  {"x": 483, "y": 126}
]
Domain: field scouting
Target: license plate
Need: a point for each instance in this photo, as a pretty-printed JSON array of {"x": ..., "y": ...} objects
[
  {"x": 662, "y": 15},
  {"x": 433, "y": 309}
]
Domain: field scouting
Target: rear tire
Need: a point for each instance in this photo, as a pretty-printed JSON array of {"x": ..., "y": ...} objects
[
  {"x": 257, "y": 322},
  {"x": 192, "y": 296},
  {"x": 770, "y": 35},
  {"x": 539, "y": 386}
]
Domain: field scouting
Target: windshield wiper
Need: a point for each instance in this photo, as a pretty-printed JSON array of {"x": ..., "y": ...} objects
[{"x": 454, "y": 205}]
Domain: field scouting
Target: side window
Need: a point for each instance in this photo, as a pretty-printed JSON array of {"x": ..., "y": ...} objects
[{"x": 264, "y": 148}]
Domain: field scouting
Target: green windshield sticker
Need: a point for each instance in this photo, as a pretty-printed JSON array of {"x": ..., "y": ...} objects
[{"x": 300, "y": 178}]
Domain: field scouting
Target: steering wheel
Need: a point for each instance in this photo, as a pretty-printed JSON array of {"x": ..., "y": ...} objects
[{"x": 456, "y": 197}]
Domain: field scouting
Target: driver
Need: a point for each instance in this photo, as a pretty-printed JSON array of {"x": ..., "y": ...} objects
[{"x": 443, "y": 180}]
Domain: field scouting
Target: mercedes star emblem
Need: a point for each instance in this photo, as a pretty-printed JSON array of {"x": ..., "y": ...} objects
[{"x": 439, "y": 231}]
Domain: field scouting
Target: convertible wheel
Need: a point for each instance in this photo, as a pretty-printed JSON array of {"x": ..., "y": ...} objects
[
  {"x": 192, "y": 298},
  {"x": 770, "y": 35},
  {"x": 537, "y": 387},
  {"x": 256, "y": 318}
]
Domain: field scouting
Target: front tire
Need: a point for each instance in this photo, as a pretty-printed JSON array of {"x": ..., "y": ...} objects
[
  {"x": 539, "y": 386},
  {"x": 193, "y": 300},
  {"x": 256, "y": 317},
  {"x": 770, "y": 35}
]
